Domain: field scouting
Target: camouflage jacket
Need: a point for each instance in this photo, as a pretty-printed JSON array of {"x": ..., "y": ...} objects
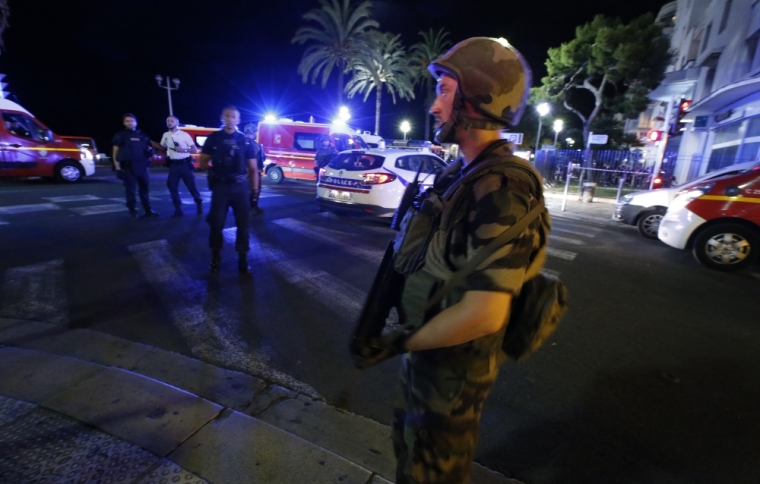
[{"x": 488, "y": 206}]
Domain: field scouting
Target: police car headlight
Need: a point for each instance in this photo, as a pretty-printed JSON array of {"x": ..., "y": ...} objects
[
  {"x": 626, "y": 200},
  {"x": 85, "y": 155}
]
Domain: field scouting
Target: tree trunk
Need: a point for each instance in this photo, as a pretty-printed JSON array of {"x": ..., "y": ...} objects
[
  {"x": 379, "y": 95},
  {"x": 340, "y": 85}
]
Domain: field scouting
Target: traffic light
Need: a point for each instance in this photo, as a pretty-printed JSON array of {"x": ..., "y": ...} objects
[
  {"x": 655, "y": 136},
  {"x": 682, "y": 107}
]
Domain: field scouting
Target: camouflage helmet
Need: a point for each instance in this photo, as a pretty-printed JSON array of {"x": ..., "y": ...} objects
[{"x": 492, "y": 76}]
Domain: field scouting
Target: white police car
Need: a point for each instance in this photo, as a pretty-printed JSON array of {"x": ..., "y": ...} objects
[{"x": 373, "y": 181}]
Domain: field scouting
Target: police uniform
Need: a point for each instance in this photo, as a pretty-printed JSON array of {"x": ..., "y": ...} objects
[
  {"x": 180, "y": 168},
  {"x": 436, "y": 420},
  {"x": 259, "y": 156},
  {"x": 134, "y": 157},
  {"x": 227, "y": 179}
]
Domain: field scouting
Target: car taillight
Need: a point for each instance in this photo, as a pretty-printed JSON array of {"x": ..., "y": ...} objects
[{"x": 378, "y": 178}]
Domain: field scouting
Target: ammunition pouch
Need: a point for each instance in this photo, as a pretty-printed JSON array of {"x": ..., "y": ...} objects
[{"x": 417, "y": 229}]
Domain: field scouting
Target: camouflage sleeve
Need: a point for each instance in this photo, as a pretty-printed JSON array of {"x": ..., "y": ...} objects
[{"x": 497, "y": 203}]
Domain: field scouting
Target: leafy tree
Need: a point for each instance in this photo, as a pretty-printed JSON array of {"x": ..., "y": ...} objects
[
  {"x": 609, "y": 67},
  {"x": 5, "y": 12},
  {"x": 433, "y": 45},
  {"x": 336, "y": 41},
  {"x": 385, "y": 65}
]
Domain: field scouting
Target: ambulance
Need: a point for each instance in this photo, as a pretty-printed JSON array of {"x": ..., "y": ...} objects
[
  {"x": 290, "y": 146},
  {"x": 718, "y": 219},
  {"x": 28, "y": 148}
]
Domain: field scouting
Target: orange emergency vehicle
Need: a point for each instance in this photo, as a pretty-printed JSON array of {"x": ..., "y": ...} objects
[
  {"x": 28, "y": 148},
  {"x": 198, "y": 134},
  {"x": 291, "y": 146}
]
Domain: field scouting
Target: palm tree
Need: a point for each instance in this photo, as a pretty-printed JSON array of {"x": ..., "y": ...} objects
[
  {"x": 5, "y": 12},
  {"x": 385, "y": 64},
  {"x": 336, "y": 41},
  {"x": 433, "y": 45}
]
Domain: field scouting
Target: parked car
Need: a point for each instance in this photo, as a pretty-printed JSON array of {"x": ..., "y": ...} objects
[
  {"x": 373, "y": 181},
  {"x": 645, "y": 209},
  {"x": 718, "y": 219}
]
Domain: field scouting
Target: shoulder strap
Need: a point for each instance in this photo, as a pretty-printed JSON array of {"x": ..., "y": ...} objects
[{"x": 461, "y": 275}]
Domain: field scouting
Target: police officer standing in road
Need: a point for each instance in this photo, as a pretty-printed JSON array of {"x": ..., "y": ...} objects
[
  {"x": 131, "y": 155},
  {"x": 231, "y": 155},
  {"x": 254, "y": 177},
  {"x": 325, "y": 154},
  {"x": 179, "y": 145}
]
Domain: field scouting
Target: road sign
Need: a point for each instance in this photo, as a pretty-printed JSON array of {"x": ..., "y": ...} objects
[
  {"x": 597, "y": 139},
  {"x": 515, "y": 138}
]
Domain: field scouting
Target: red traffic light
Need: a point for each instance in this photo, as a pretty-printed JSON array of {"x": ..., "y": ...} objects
[
  {"x": 684, "y": 105},
  {"x": 655, "y": 135}
]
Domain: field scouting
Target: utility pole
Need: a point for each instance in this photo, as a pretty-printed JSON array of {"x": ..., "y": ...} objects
[{"x": 168, "y": 88}]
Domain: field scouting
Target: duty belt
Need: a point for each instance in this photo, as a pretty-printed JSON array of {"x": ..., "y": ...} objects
[{"x": 183, "y": 160}]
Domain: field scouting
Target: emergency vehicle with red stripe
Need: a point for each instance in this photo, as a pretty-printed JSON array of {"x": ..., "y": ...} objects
[
  {"x": 719, "y": 220},
  {"x": 291, "y": 146},
  {"x": 28, "y": 148}
]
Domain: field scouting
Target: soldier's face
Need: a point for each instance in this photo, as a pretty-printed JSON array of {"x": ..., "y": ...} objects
[
  {"x": 130, "y": 123},
  {"x": 230, "y": 118},
  {"x": 444, "y": 100},
  {"x": 171, "y": 122}
]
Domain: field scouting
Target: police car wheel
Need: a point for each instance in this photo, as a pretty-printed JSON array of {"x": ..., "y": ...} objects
[
  {"x": 649, "y": 223},
  {"x": 69, "y": 172},
  {"x": 275, "y": 175},
  {"x": 727, "y": 247}
]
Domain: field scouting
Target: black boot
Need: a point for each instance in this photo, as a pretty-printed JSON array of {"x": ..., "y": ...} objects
[
  {"x": 216, "y": 259},
  {"x": 177, "y": 213},
  {"x": 149, "y": 213},
  {"x": 243, "y": 267}
]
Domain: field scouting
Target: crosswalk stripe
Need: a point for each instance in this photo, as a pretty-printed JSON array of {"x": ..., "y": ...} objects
[
  {"x": 98, "y": 209},
  {"x": 202, "y": 322},
  {"x": 574, "y": 232},
  {"x": 329, "y": 236},
  {"x": 550, "y": 272},
  {"x": 72, "y": 198},
  {"x": 3, "y": 222},
  {"x": 380, "y": 229},
  {"x": 566, "y": 240},
  {"x": 36, "y": 292},
  {"x": 37, "y": 207},
  {"x": 561, "y": 254}
]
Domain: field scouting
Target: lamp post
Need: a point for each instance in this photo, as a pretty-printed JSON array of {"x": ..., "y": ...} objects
[
  {"x": 405, "y": 127},
  {"x": 570, "y": 142},
  {"x": 168, "y": 88},
  {"x": 543, "y": 110},
  {"x": 558, "y": 125}
]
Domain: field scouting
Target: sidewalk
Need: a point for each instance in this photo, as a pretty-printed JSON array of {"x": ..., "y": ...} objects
[
  {"x": 85, "y": 406},
  {"x": 599, "y": 211}
]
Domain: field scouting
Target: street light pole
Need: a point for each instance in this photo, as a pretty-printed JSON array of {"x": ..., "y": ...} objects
[
  {"x": 168, "y": 88},
  {"x": 405, "y": 128},
  {"x": 558, "y": 125},
  {"x": 543, "y": 110}
]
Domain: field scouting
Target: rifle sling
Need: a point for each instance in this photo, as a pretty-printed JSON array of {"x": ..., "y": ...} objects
[{"x": 459, "y": 276}]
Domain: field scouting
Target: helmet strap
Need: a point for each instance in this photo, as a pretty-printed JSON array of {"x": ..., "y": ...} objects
[{"x": 458, "y": 119}]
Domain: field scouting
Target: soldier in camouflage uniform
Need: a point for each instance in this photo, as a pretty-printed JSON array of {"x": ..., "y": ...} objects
[{"x": 453, "y": 350}]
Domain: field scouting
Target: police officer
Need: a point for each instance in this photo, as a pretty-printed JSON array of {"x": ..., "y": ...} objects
[
  {"x": 250, "y": 133},
  {"x": 325, "y": 154},
  {"x": 131, "y": 155},
  {"x": 178, "y": 145},
  {"x": 231, "y": 155},
  {"x": 453, "y": 349}
]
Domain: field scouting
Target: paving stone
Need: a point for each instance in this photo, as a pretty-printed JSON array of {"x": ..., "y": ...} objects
[
  {"x": 34, "y": 376},
  {"x": 378, "y": 480},
  {"x": 229, "y": 388},
  {"x": 166, "y": 472},
  {"x": 255, "y": 451},
  {"x": 268, "y": 397},
  {"x": 151, "y": 414},
  {"x": 351, "y": 436},
  {"x": 18, "y": 331},
  {"x": 94, "y": 346},
  {"x": 45, "y": 447},
  {"x": 11, "y": 409},
  {"x": 483, "y": 475}
]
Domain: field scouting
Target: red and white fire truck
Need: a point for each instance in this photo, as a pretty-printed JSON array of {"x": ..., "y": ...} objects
[{"x": 290, "y": 146}]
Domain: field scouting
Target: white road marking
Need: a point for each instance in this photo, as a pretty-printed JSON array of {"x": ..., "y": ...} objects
[
  {"x": 562, "y": 254},
  {"x": 37, "y": 207},
  {"x": 36, "y": 292},
  {"x": 202, "y": 322},
  {"x": 3, "y": 222},
  {"x": 72, "y": 198},
  {"x": 566, "y": 240},
  {"x": 550, "y": 272},
  {"x": 98, "y": 209},
  {"x": 329, "y": 236},
  {"x": 574, "y": 232}
]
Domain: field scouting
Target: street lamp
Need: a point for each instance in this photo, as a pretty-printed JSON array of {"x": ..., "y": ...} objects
[
  {"x": 570, "y": 142},
  {"x": 405, "y": 127},
  {"x": 168, "y": 88},
  {"x": 543, "y": 110},
  {"x": 343, "y": 116},
  {"x": 270, "y": 118},
  {"x": 558, "y": 124}
]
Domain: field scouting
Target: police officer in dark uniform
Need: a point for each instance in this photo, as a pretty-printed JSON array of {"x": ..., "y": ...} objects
[
  {"x": 250, "y": 133},
  {"x": 131, "y": 155},
  {"x": 231, "y": 155},
  {"x": 325, "y": 154}
]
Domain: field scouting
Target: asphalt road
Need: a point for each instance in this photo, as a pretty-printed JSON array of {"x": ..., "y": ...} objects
[{"x": 651, "y": 378}]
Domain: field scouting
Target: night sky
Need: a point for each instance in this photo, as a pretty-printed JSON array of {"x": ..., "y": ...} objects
[{"x": 79, "y": 64}]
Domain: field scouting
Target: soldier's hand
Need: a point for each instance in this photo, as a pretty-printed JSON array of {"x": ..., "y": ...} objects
[{"x": 390, "y": 344}]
